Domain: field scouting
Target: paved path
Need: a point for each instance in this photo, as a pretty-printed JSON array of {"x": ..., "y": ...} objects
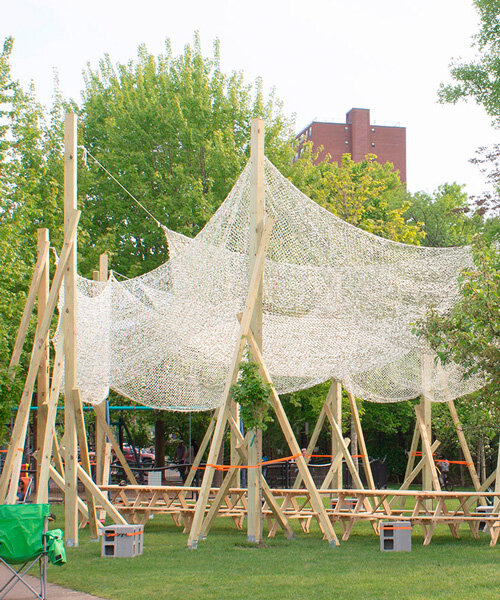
[{"x": 54, "y": 592}]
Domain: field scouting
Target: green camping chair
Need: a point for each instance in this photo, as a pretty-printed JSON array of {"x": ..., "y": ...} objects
[{"x": 24, "y": 540}]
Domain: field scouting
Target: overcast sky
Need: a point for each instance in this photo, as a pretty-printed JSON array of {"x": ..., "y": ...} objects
[{"x": 322, "y": 56}]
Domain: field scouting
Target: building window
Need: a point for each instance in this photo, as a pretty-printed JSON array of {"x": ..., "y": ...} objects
[{"x": 373, "y": 144}]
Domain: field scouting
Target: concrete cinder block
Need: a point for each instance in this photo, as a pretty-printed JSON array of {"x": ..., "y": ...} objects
[
  {"x": 486, "y": 510},
  {"x": 395, "y": 536},
  {"x": 122, "y": 541}
]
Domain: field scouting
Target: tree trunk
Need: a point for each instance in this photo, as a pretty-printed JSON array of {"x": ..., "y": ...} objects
[{"x": 160, "y": 445}]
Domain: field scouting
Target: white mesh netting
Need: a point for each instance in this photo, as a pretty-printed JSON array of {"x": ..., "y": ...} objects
[{"x": 338, "y": 303}]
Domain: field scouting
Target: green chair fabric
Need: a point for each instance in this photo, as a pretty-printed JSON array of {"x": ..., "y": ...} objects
[
  {"x": 55, "y": 547},
  {"x": 21, "y": 531}
]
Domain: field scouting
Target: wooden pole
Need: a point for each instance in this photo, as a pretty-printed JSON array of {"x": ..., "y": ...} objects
[
  {"x": 232, "y": 375},
  {"x": 496, "y": 503},
  {"x": 427, "y": 450},
  {"x": 254, "y": 521},
  {"x": 312, "y": 444},
  {"x": 30, "y": 303},
  {"x": 202, "y": 449},
  {"x": 47, "y": 442},
  {"x": 12, "y": 466},
  {"x": 426, "y": 415},
  {"x": 361, "y": 441},
  {"x": 100, "y": 433},
  {"x": 315, "y": 498},
  {"x": 69, "y": 330},
  {"x": 85, "y": 460},
  {"x": 336, "y": 405},
  {"x": 42, "y": 386},
  {"x": 100, "y": 413}
]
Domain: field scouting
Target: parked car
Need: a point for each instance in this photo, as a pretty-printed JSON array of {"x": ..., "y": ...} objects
[{"x": 146, "y": 458}]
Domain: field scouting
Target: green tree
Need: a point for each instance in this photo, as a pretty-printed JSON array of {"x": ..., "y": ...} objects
[
  {"x": 175, "y": 131},
  {"x": 470, "y": 333},
  {"x": 367, "y": 194},
  {"x": 29, "y": 199},
  {"x": 480, "y": 79},
  {"x": 446, "y": 216},
  {"x": 470, "y": 336}
]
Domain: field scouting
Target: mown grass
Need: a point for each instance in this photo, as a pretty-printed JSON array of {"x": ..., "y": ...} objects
[{"x": 226, "y": 566}]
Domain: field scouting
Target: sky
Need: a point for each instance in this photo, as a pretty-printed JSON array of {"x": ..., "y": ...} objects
[{"x": 323, "y": 57}]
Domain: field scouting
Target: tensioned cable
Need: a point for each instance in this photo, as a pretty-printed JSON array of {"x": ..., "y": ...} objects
[{"x": 87, "y": 153}]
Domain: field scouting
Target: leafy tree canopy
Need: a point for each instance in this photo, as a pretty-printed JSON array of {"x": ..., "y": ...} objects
[
  {"x": 470, "y": 333},
  {"x": 446, "y": 216},
  {"x": 480, "y": 78},
  {"x": 367, "y": 194},
  {"x": 175, "y": 131}
]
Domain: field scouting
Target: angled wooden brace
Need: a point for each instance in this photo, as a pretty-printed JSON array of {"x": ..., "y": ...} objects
[
  {"x": 315, "y": 498},
  {"x": 232, "y": 376},
  {"x": 12, "y": 467}
]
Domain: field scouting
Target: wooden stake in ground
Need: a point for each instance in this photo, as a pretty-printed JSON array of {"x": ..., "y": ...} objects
[
  {"x": 428, "y": 471},
  {"x": 427, "y": 449},
  {"x": 102, "y": 458},
  {"x": 12, "y": 466},
  {"x": 361, "y": 441},
  {"x": 254, "y": 521},
  {"x": 336, "y": 405},
  {"x": 69, "y": 332},
  {"x": 232, "y": 375},
  {"x": 84, "y": 455},
  {"x": 315, "y": 498},
  {"x": 42, "y": 383}
]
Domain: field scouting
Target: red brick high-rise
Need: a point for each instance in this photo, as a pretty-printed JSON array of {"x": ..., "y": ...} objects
[{"x": 358, "y": 137}]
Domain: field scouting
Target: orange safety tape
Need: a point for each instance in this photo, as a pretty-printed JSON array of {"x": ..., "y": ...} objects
[
  {"x": 266, "y": 462},
  {"x": 455, "y": 462},
  {"x": 111, "y": 535},
  {"x": 438, "y": 460},
  {"x": 393, "y": 528}
]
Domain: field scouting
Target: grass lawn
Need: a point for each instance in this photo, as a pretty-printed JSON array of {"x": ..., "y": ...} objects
[{"x": 225, "y": 566}]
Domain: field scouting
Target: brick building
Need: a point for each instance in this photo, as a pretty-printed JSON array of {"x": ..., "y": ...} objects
[{"x": 359, "y": 137}]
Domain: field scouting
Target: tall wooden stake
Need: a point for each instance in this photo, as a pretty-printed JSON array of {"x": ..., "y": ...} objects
[
  {"x": 426, "y": 415},
  {"x": 69, "y": 329},
  {"x": 232, "y": 375},
  {"x": 100, "y": 433},
  {"x": 12, "y": 466},
  {"x": 336, "y": 402},
  {"x": 42, "y": 389},
  {"x": 254, "y": 522}
]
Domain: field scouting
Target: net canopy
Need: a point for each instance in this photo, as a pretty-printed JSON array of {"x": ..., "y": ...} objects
[{"x": 338, "y": 302}]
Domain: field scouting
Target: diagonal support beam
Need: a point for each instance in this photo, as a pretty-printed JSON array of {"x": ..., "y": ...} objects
[
  {"x": 48, "y": 438},
  {"x": 28, "y": 307},
  {"x": 315, "y": 498},
  {"x": 277, "y": 510},
  {"x": 232, "y": 376},
  {"x": 12, "y": 467},
  {"x": 426, "y": 448},
  {"x": 84, "y": 457}
]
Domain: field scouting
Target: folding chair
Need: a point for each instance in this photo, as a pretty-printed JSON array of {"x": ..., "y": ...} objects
[{"x": 23, "y": 542}]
